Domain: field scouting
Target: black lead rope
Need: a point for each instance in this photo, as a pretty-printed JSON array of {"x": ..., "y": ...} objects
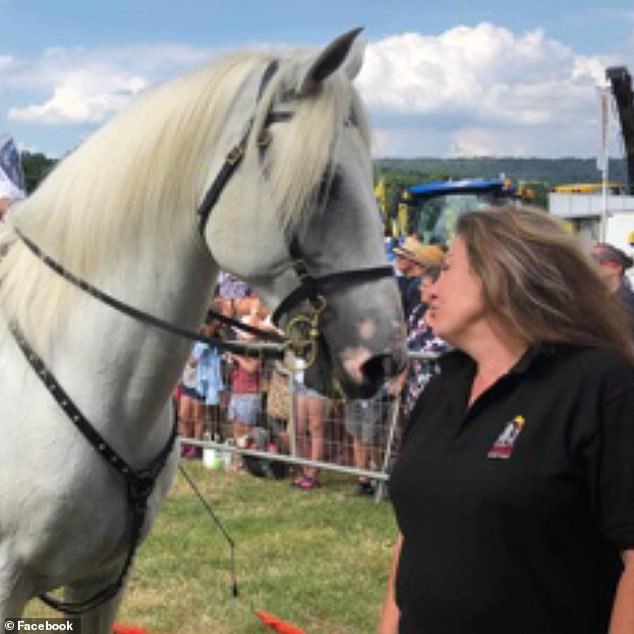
[
  {"x": 221, "y": 528},
  {"x": 139, "y": 482}
]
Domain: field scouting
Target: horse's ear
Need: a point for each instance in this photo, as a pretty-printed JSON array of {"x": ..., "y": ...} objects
[
  {"x": 328, "y": 61},
  {"x": 354, "y": 60}
]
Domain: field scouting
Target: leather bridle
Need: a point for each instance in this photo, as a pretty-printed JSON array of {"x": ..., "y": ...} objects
[{"x": 302, "y": 335}]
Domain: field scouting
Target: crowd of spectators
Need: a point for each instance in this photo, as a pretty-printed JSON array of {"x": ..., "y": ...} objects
[{"x": 225, "y": 396}]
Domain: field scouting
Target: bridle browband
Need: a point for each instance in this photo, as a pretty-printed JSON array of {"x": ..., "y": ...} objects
[{"x": 140, "y": 482}]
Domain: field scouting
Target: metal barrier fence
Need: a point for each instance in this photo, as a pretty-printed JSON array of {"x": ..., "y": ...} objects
[{"x": 300, "y": 429}]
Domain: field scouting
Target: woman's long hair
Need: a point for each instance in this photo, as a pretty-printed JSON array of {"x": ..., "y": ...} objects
[{"x": 537, "y": 283}]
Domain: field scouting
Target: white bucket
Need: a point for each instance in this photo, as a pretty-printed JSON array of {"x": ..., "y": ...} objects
[{"x": 212, "y": 458}]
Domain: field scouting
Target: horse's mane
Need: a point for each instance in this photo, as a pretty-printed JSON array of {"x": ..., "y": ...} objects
[{"x": 136, "y": 183}]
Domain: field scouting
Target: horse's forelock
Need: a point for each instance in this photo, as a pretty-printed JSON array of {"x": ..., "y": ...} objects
[{"x": 306, "y": 148}]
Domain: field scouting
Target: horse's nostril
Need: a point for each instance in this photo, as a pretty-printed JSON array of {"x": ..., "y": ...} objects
[{"x": 377, "y": 369}]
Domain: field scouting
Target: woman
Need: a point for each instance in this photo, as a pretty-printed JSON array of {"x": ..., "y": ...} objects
[
  {"x": 514, "y": 489},
  {"x": 422, "y": 339}
]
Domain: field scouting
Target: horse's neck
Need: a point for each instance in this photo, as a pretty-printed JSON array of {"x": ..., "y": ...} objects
[{"x": 124, "y": 370}]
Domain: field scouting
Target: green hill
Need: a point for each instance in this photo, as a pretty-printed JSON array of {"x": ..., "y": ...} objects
[{"x": 548, "y": 171}]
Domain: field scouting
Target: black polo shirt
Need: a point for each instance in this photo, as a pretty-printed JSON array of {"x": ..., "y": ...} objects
[{"x": 514, "y": 512}]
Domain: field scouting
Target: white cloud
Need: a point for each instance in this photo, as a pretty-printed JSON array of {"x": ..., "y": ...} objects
[
  {"x": 89, "y": 86},
  {"x": 6, "y": 62},
  {"x": 486, "y": 87},
  {"x": 82, "y": 97}
]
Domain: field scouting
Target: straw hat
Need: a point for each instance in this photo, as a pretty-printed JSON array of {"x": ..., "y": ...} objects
[{"x": 419, "y": 253}]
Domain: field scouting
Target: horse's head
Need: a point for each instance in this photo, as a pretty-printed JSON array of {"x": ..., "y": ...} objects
[{"x": 304, "y": 190}]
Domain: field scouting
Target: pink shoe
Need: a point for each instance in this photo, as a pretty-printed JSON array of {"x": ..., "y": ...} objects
[
  {"x": 190, "y": 452},
  {"x": 306, "y": 483}
]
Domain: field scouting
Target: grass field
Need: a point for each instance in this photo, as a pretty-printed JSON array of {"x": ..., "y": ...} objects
[{"x": 318, "y": 559}]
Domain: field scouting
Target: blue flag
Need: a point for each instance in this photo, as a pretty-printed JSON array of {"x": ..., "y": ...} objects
[{"x": 11, "y": 175}]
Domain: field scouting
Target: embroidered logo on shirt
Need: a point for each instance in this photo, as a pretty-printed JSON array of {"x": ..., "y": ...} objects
[{"x": 503, "y": 446}]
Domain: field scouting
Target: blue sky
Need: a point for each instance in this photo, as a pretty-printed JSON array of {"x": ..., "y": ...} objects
[{"x": 440, "y": 79}]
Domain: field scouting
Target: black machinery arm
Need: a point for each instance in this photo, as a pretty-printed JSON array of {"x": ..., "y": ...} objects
[{"x": 621, "y": 82}]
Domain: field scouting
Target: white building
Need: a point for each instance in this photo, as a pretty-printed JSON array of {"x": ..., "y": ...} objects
[{"x": 584, "y": 212}]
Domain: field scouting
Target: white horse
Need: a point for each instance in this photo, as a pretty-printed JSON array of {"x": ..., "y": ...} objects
[{"x": 120, "y": 213}]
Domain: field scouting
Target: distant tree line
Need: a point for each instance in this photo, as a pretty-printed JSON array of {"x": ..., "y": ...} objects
[
  {"x": 402, "y": 173},
  {"x": 35, "y": 166}
]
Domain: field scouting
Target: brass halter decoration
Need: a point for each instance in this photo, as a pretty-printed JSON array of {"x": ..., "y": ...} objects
[{"x": 303, "y": 333}]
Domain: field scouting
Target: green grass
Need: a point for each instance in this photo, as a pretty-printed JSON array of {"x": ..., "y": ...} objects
[{"x": 318, "y": 559}]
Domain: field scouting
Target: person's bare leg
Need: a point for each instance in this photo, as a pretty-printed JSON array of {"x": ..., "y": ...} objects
[
  {"x": 359, "y": 452},
  {"x": 199, "y": 419},
  {"x": 186, "y": 422},
  {"x": 301, "y": 420},
  {"x": 316, "y": 425}
]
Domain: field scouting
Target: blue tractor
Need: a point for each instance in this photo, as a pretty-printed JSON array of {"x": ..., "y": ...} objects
[{"x": 433, "y": 208}]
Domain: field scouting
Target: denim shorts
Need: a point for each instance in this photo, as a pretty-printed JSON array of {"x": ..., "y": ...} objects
[
  {"x": 192, "y": 392},
  {"x": 301, "y": 390},
  {"x": 363, "y": 418},
  {"x": 245, "y": 408}
]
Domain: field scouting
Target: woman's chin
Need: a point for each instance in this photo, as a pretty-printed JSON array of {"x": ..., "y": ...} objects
[
  {"x": 439, "y": 329},
  {"x": 431, "y": 319}
]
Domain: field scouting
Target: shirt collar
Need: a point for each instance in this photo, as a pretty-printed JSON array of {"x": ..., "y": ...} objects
[{"x": 459, "y": 362}]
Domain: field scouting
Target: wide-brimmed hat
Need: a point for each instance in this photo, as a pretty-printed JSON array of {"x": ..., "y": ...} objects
[{"x": 419, "y": 253}]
